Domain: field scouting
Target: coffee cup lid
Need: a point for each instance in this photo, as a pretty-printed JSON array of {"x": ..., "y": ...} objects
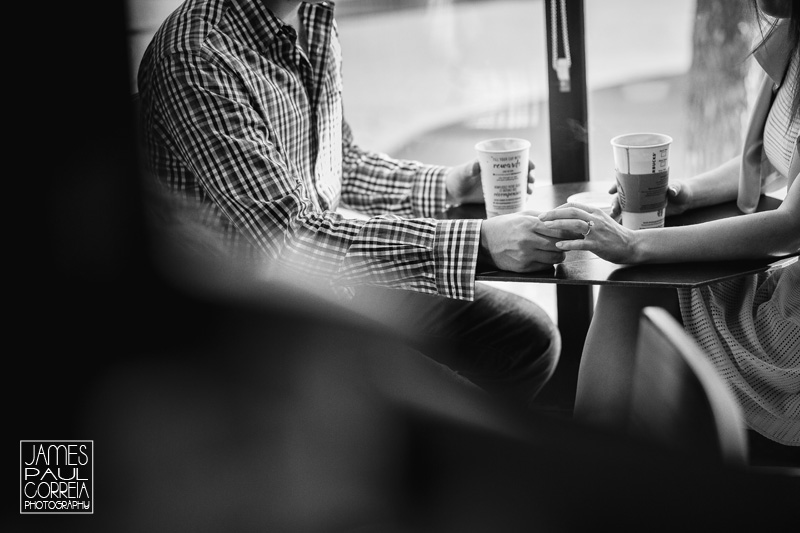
[{"x": 601, "y": 200}]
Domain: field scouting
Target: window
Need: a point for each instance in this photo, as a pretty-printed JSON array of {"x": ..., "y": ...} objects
[
  {"x": 679, "y": 68},
  {"x": 427, "y": 80}
]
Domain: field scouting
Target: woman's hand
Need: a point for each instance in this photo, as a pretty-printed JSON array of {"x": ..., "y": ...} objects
[
  {"x": 601, "y": 233},
  {"x": 678, "y": 199},
  {"x": 463, "y": 183}
]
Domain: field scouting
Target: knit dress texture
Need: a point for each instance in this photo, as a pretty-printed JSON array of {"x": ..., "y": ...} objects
[{"x": 750, "y": 327}]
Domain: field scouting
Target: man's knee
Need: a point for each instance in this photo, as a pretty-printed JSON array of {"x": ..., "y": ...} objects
[
  {"x": 533, "y": 349},
  {"x": 539, "y": 336},
  {"x": 539, "y": 365}
]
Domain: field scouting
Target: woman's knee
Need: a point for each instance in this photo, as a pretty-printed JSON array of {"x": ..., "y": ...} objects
[{"x": 625, "y": 302}]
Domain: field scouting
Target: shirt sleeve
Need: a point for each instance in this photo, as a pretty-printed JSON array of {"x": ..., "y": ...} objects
[
  {"x": 202, "y": 113},
  {"x": 374, "y": 183}
]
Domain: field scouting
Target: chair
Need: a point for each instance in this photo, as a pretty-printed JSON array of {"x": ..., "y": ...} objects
[{"x": 678, "y": 400}]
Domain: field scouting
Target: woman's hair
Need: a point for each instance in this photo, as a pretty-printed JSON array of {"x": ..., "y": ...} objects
[{"x": 794, "y": 39}]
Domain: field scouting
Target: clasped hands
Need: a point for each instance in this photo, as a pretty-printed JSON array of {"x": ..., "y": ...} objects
[
  {"x": 519, "y": 242},
  {"x": 529, "y": 241}
]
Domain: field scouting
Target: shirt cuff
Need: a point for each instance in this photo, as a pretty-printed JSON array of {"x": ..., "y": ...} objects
[{"x": 455, "y": 254}]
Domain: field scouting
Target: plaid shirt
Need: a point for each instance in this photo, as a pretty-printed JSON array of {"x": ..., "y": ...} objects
[{"x": 237, "y": 117}]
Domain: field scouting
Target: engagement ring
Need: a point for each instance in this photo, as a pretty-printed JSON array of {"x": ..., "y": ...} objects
[{"x": 589, "y": 229}]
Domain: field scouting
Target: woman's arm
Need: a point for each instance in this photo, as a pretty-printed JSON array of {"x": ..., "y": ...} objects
[
  {"x": 771, "y": 233},
  {"x": 710, "y": 188}
]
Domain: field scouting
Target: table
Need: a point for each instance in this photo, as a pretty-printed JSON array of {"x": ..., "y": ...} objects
[
  {"x": 585, "y": 268},
  {"x": 581, "y": 270}
]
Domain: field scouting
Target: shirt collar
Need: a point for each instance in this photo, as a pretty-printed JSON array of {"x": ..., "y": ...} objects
[
  {"x": 264, "y": 27},
  {"x": 775, "y": 53}
]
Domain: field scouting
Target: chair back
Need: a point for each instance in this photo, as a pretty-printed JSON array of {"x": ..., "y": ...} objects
[{"x": 679, "y": 401}]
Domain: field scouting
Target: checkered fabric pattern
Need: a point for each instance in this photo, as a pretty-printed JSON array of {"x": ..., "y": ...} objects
[{"x": 237, "y": 117}]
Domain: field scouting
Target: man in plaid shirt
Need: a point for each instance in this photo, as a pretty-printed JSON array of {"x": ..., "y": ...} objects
[{"x": 241, "y": 108}]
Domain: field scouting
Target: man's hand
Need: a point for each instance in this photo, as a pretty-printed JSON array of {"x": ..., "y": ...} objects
[
  {"x": 520, "y": 242},
  {"x": 463, "y": 183}
]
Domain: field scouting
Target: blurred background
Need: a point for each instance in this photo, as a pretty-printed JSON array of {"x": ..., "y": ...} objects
[{"x": 427, "y": 79}]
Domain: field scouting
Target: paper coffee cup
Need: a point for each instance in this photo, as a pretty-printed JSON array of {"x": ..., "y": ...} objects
[
  {"x": 504, "y": 174},
  {"x": 641, "y": 161}
]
